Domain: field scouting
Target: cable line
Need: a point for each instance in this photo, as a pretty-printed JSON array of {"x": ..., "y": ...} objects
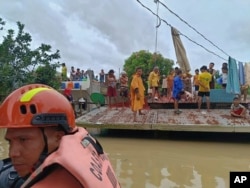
[
  {"x": 180, "y": 32},
  {"x": 193, "y": 28}
]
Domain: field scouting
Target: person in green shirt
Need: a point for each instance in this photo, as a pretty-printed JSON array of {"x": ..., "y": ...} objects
[{"x": 64, "y": 72}]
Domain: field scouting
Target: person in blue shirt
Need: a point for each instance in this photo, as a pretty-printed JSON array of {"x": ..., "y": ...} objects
[{"x": 177, "y": 90}]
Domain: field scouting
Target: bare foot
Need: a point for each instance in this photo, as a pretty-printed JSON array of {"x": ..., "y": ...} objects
[
  {"x": 208, "y": 110},
  {"x": 198, "y": 110},
  {"x": 141, "y": 113}
]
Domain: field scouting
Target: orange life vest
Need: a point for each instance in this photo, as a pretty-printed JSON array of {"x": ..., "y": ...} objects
[{"x": 79, "y": 156}]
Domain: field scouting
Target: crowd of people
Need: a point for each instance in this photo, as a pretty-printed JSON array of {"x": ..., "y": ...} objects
[
  {"x": 79, "y": 74},
  {"x": 173, "y": 87},
  {"x": 178, "y": 86}
]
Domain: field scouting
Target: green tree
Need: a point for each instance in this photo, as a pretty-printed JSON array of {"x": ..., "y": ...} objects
[
  {"x": 147, "y": 61},
  {"x": 43, "y": 75},
  {"x": 19, "y": 63}
]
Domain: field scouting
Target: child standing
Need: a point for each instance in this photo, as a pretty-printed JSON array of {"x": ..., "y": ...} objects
[{"x": 196, "y": 84}]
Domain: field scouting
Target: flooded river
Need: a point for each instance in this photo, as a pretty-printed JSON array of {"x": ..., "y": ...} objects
[{"x": 174, "y": 160}]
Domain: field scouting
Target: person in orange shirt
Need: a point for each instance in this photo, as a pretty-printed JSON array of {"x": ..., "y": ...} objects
[
  {"x": 196, "y": 84},
  {"x": 137, "y": 93},
  {"x": 170, "y": 81}
]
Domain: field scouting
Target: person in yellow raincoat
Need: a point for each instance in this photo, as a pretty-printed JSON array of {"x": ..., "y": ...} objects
[
  {"x": 154, "y": 80},
  {"x": 137, "y": 92}
]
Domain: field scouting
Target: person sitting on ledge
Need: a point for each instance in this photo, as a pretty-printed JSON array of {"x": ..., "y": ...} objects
[{"x": 237, "y": 109}]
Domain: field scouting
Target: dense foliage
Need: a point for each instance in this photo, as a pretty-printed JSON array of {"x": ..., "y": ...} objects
[
  {"x": 20, "y": 65},
  {"x": 147, "y": 61}
]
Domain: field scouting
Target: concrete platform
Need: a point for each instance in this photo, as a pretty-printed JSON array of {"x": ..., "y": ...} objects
[{"x": 218, "y": 120}]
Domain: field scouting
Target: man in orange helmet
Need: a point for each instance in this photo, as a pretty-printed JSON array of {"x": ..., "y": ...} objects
[{"x": 46, "y": 148}]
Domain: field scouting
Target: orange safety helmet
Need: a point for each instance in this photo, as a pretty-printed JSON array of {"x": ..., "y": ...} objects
[{"x": 37, "y": 105}]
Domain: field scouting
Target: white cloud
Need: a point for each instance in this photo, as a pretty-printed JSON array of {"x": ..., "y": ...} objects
[{"x": 102, "y": 34}]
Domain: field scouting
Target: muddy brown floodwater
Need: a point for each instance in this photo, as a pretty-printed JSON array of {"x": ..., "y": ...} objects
[{"x": 182, "y": 160}]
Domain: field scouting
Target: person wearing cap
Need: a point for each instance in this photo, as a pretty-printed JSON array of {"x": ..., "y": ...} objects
[
  {"x": 204, "y": 79},
  {"x": 46, "y": 148},
  {"x": 124, "y": 87}
]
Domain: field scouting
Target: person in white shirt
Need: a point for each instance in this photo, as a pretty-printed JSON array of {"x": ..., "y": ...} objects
[{"x": 164, "y": 86}]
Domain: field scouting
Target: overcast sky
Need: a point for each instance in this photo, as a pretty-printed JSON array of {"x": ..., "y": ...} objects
[{"x": 101, "y": 34}]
